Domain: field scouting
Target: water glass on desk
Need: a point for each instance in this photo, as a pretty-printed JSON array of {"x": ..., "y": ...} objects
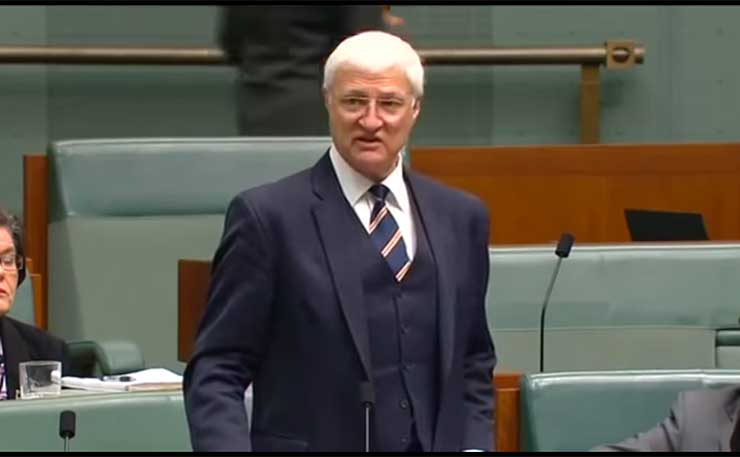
[{"x": 40, "y": 378}]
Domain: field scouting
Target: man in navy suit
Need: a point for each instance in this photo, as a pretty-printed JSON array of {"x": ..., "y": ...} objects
[{"x": 356, "y": 274}]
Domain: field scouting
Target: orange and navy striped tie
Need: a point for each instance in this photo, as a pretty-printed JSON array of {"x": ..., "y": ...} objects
[{"x": 386, "y": 235}]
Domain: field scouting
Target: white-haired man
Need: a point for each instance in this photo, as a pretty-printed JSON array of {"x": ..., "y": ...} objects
[{"x": 351, "y": 282}]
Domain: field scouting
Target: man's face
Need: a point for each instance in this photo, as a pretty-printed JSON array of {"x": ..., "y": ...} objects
[
  {"x": 371, "y": 116},
  {"x": 8, "y": 278}
]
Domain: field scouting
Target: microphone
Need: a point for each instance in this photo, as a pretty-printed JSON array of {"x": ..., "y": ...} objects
[
  {"x": 67, "y": 427},
  {"x": 367, "y": 397},
  {"x": 562, "y": 251}
]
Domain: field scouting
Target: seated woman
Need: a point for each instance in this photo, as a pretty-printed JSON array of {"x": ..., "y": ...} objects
[{"x": 19, "y": 342}]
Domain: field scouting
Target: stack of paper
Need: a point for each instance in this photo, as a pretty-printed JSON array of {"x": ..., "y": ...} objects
[{"x": 150, "y": 379}]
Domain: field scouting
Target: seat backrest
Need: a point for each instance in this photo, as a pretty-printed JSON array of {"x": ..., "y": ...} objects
[
  {"x": 579, "y": 410},
  {"x": 23, "y": 306},
  {"x": 645, "y": 305},
  {"x": 140, "y": 421},
  {"x": 124, "y": 211}
]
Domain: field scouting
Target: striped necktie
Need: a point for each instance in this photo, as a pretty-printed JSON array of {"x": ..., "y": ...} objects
[{"x": 386, "y": 235}]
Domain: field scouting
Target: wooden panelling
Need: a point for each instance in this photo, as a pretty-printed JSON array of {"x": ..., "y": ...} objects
[
  {"x": 193, "y": 278},
  {"x": 35, "y": 226},
  {"x": 535, "y": 193},
  {"x": 36, "y": 280},
  {"x": 507, "y": 387}
]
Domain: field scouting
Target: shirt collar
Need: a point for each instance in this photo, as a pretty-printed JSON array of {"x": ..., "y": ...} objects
[{"x": 354, "y": 185}]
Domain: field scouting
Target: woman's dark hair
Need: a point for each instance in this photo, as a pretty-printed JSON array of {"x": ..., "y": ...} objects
[{"x": 10, "y": 222}]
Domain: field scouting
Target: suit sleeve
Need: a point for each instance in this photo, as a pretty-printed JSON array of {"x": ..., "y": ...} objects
[
  {"x": 233, "y": 334},
  {"x": 480, "y": 357},
  {"x": 664, "y": 437}
]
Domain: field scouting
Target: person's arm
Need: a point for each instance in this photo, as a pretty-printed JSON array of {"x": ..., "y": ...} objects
[
  {"x": 233, "y": 334},
  {"x": 390, "y": 20},
  {"x": 480, "y": 357},
  {"x": 664, "y": 437}
]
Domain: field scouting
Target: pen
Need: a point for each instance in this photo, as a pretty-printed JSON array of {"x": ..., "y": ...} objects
[{"x": 122, "y": 378}]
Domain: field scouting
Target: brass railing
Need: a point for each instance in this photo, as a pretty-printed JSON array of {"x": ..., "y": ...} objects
[{"x": 613, "y": 54}]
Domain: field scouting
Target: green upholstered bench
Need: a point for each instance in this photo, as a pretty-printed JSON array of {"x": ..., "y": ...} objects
[
  {"x": 137, "y": 421},
  {"x": 123, "y": 211},
  {"x": 88, "y": 358},
  {"x": 23, "y": 309},
  {"x": 621, "y": 306},
  {"x": 575, "y": 411},
  {"x": 728, "y": 347}
]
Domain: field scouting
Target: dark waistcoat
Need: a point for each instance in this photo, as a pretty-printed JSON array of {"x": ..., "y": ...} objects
[{"x": 404, "y": 346}]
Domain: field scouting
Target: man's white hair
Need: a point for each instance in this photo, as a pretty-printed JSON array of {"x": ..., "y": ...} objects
[{"x": 376, "y": 51}]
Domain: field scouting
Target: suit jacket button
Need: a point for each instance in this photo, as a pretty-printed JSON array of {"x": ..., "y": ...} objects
[{"x": 404, "y": 404}]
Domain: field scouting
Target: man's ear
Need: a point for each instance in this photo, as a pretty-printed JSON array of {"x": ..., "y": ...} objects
[
  {"x": 416, "y": 107},
  {"x": 326, "y": 95}
]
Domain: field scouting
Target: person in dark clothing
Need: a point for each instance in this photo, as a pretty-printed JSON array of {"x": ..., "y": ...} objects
[
  {"x": 19, "y": 342},
  {"x": 280, "y": 51},
  {"x": 700, "y": 421}
]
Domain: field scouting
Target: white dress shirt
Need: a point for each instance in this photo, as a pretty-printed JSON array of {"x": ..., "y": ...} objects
[{"x": 355, "y": 189}]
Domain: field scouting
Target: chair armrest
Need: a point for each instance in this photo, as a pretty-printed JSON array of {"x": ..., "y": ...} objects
[{"x": 110, "y": 357}]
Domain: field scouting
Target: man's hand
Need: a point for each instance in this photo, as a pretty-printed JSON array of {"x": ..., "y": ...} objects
[{"x": 390, "y": 20}]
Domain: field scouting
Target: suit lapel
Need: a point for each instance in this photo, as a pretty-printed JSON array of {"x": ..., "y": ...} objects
[
  {"x": 15, "y": 351},
  {"x": 434, "y": 223},
  {"x": 338, "y": 230}
]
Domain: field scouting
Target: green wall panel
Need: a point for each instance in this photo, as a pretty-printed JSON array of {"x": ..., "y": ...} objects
[
  {"x": 687, "y": 90},
  {"x": 23, "y": 119}
]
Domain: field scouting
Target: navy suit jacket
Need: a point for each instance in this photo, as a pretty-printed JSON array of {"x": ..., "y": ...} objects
[{"x": 286, "y": 313}]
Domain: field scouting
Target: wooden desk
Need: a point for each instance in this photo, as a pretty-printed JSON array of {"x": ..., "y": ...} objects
[{"x": 535, "y": 193}]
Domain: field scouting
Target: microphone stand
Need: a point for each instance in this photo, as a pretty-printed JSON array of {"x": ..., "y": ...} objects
[
  {"x": 544, "y": 310},
  {"x": 368, "y": 405},
  {"x": 367, "y": 396},
  {"x": 562, "y": 250}
]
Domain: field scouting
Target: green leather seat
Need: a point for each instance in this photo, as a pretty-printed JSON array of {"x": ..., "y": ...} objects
[
  {"x": 728, "y": 347},
  {"x": 88, "y": 358},
  {"x": 123, "y": 211},
  {"x": 140, "y": 421},
  {"x": 644, "y": 305},
  {"x": 23, "y": 309},
  {"x": 575, "y": 411}
]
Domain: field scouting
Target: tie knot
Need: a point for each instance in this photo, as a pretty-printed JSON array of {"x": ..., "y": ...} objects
[{"x": 379, "y": 191}]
